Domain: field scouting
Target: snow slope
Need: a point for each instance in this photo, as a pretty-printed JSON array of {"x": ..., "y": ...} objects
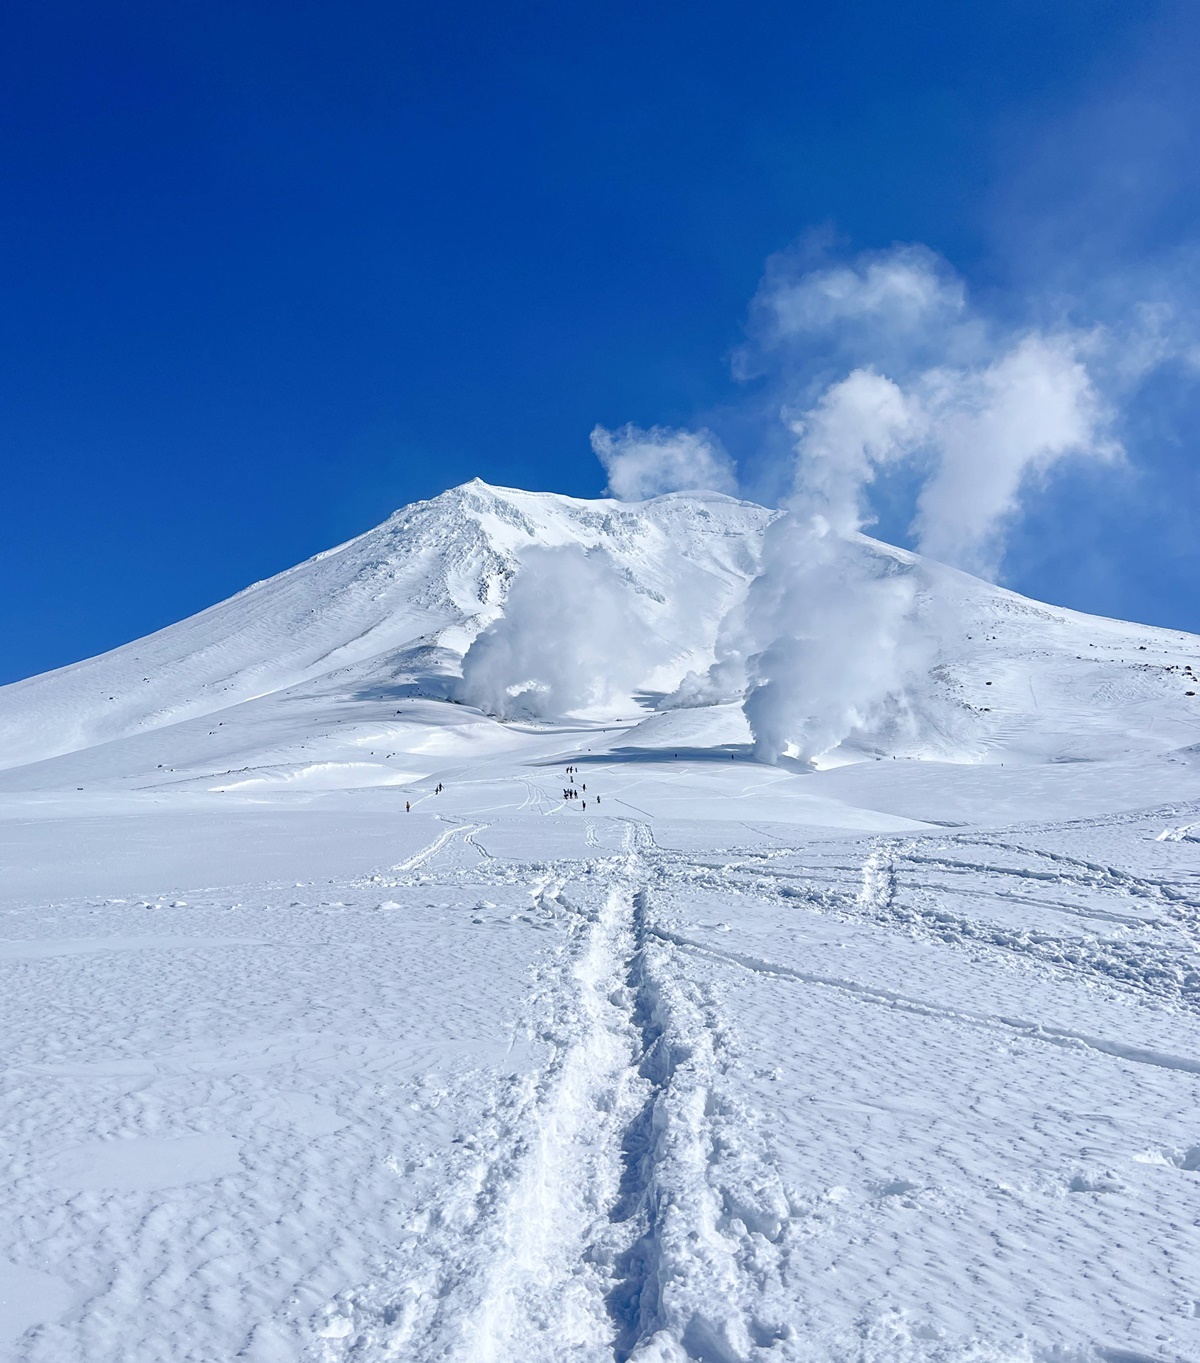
[
  {"x": 896, "y": 1061},
  {"x": 297, "y": 679},
  {"x": 430, "y": 575}
]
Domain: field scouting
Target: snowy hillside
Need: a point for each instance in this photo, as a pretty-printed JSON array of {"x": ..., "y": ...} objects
[
  {"x": 296, "y": 678},
  {"x": 409, "y": 959},
  {"x": 402, "y": 600}
]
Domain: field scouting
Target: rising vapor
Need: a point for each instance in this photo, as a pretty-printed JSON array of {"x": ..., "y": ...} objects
[
  {"x": 878, "y": 367},
  {"x": 881, "y": 364},
  {"x": 570, "y": 639}
]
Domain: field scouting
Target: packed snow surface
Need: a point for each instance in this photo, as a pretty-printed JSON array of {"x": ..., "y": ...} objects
[{"x": 891, "y": 1057}]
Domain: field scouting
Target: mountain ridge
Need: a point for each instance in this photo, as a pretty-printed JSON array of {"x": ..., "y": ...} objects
[
  {"x": 399, "y": 606},
  {"x": 369, "y": 591}
]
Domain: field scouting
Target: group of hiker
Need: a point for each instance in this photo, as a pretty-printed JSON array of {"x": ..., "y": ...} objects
[
  {"x": 571, "y": 793},
  {"x": 437, "y": 790}
]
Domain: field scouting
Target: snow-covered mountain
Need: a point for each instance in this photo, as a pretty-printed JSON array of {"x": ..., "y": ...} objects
[
  {"x": 339, "y": 672},
  {"x": 344, "y": 1021},
  {"x": 403, "y": 599}
]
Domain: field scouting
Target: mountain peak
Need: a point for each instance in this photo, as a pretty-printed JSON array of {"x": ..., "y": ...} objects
[{"x": 410, "y": 596}]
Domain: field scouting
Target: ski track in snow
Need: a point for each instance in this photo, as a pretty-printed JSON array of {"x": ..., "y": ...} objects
[
  {"x": 621, "y": 1202},
  {"x": 620, "y": 1213}
]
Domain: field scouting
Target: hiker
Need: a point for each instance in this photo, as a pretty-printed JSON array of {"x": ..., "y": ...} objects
[
  {"x": 585, "y": 804},
  {"x": 407, "y": 807}
]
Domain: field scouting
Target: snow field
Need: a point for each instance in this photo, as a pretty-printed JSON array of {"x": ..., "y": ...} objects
[
  {"x": 894, "y": 1061},
  {"x": 966, "y": 1129},
  {"x": 937, "y": 1205},
  {"x": 837, "y": 1098},
  {"x": 201, "y": 1125}
]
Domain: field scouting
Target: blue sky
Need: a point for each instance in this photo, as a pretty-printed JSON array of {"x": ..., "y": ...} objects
[{"x": 271, "y": 271}]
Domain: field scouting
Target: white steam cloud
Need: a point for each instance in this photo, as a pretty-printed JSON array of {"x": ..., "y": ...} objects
[
  {"x": 882, "y": 296},
  {"x": 883, "y": 373},
  {"x": 975, "y": 411},
  {"x": 993, "y": 429},
  {"x": 645, "y": 463},
  {"x": 570, "y": 639},
  {"x": 856, "y": 426},
  {"x": 883, "y": 365},
  {"x": 834, "y": 621}
]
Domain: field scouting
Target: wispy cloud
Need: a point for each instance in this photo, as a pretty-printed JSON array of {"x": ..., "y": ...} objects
[{"x": 645, "y": 463}]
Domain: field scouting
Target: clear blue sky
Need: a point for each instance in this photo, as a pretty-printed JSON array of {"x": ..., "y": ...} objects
[{"x": 272, "y": 270}]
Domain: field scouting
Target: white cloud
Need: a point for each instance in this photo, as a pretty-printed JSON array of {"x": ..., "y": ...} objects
[
  {"x": 904, "y": 286},
  {"x": 645, "y": 463},
  {"x": 903, "y": 289},
  {"x": 976, "y": 412},
  {"x": 882, "y": 363}
]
